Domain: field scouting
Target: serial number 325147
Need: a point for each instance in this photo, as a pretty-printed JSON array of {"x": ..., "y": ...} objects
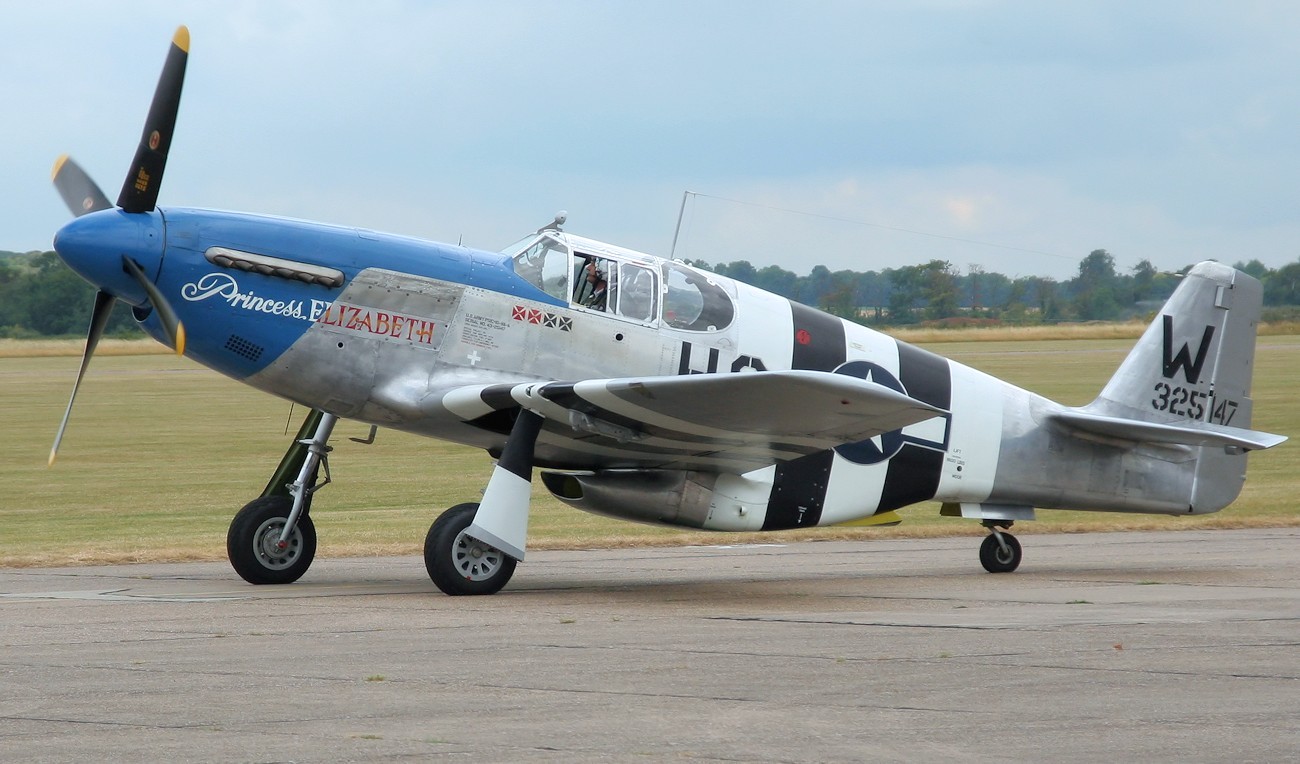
[{"x": 1182, "y": 401}]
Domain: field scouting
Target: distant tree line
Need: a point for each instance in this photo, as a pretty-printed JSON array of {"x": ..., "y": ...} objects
[
  {"x": 41, "y": 297},
  {"x": 939, "y": 292}
]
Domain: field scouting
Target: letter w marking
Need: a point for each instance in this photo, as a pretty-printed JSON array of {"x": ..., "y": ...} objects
[{"x": 1183, "y": 359}]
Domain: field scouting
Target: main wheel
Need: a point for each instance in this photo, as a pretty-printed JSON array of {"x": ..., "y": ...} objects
[
  {"x": 253, "y": 542},
  {"x": 459, "y": 564},
  {"x": 995, "y": 559}
]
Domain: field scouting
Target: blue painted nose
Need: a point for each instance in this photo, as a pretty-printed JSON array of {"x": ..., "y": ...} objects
[{"x": 93, "y": 245}]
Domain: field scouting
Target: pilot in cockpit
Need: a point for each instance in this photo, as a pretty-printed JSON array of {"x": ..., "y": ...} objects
[{"x": 597, "y": 289}]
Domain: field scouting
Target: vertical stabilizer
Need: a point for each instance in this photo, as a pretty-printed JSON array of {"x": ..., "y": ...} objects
[{"x": 1193, "y": 364}]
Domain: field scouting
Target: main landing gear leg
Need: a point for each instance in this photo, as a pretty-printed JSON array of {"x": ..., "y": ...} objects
[
  {"x": 473, "y": 548},
  {"x": 272, "y": 539},
  {"x": 1000, "y": 552}
]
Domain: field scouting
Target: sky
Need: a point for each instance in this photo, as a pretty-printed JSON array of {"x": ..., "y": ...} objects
[{"x": 1012, "y": 136}]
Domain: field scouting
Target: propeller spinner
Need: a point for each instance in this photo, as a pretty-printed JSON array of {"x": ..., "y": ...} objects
[{"x": 139, "y": 196}]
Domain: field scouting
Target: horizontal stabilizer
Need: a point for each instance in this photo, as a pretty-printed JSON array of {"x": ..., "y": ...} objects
[{"x": 1189, "y": 434}]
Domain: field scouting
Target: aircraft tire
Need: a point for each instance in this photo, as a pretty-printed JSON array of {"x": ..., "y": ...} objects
[
  {"x": 994, "y": 559},
  {"x": 460, "y": 565},
  {"x": 251, "y": 542}
]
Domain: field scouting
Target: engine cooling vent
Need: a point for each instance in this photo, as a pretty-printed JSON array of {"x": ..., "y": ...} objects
[
  {"x": 274, "y": 266},
  {"x": 243, "y": 348}
]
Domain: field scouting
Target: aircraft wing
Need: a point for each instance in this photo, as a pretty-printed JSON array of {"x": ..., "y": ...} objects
[{"x": 734, "y": 422}]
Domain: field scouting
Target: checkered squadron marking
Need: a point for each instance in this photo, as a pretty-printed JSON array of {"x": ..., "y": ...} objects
[{"x": 535, "y": 316}]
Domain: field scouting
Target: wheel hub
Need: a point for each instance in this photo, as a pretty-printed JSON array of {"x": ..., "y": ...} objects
[
  {"x": 270, "y": 550},
  {"x": 475, "y": 560}
]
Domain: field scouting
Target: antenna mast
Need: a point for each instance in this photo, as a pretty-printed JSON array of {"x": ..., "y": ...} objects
[{"x": 676, "y": 231}]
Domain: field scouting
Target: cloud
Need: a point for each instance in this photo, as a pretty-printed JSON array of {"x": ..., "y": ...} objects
[{"x": 986, "y": 132}]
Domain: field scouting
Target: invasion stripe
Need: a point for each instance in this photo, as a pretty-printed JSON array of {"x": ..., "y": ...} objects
[
  {"x": 818, "y": 340},
  {"x": 799, "y": 486},
  {"x": 913, "y": 474},
  {"x": 799, "y": 492}
]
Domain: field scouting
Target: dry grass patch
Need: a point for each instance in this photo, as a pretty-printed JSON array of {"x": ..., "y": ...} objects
[
  {"x": 1087, "y": 331},
  {"x": 75, "y": 347}
]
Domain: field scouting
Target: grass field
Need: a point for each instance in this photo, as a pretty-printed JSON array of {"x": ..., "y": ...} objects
[{"x": 161, "y": 452}]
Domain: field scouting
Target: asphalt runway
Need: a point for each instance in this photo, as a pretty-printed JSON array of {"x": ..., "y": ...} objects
[{"x": 1181, "y": 646}]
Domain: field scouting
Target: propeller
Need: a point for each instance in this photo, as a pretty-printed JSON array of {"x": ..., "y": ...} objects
[
  {"x": 139, "y": 195},
  {"x": 171, "y": 324},
  {"x": 140, "y": 189},
  {"x": 79, "y": 192},
  {"x": 98, "y": 320}
]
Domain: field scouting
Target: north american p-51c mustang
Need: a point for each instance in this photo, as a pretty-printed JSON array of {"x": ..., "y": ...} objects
[{"x": 640, "y": 387}]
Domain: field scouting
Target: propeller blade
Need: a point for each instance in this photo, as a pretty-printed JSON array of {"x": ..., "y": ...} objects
[
  {"x": 140, "y": 190},
  {"x": 79, "y": 192},
  {"x": 171, "y": 324},
  {"x": 98, "y": 320}
]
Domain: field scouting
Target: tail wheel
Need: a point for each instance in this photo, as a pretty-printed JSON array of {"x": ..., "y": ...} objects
[
  {"x": 459, "y": 564},
  {"x": 253, "y": 542},
  {"x": 997, "y": 559}
]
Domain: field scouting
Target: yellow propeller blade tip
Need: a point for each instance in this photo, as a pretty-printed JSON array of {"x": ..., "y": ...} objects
[
  {"x": 53, "y": 453},
  {"x": 180, "y": 339},
  {"x": 182, "y": 38},
  {"x": 58, "y": 165}
]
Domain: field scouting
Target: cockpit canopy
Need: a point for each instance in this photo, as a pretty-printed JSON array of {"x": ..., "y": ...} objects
[{"x": 593, "y": 276}]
